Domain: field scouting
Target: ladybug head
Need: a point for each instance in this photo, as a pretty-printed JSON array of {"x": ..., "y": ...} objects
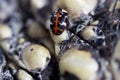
[{"x": 62, "y": 11}]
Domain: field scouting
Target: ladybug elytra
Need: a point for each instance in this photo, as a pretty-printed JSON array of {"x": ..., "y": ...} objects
[{"x": 59, "y": 21}]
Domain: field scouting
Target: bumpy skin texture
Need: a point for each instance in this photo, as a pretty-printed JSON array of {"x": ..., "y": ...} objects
[
  {"x": 76, "y": 8},
  {"x": 7, "y": 7},
  {"x": 59, "y": 21},
  {"x": 78, "y": 61},
  {"x": 94, "y": 35},
  {"x": 4, "y": 71},
  {"x": 36, "y": 57},
  {"x": 22, "y": 75},
  {"x": 2, "y": 63},
  {"x": 5, "y": 31}
]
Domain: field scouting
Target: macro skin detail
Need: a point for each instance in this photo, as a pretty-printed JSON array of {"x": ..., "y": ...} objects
[
  {"x": 59, "y": 39},
  {"x": 100, "y": 37},
  {"x": 74, "y": 63},
  {"x": 93, "y": 35},
  {"x": 59, "y": 21},
  {"x": 69, "y": 76},
  {"x": 35, "y": 57}
]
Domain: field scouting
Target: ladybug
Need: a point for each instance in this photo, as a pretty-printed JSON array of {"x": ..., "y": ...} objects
[{"x": 59, "y": 21}]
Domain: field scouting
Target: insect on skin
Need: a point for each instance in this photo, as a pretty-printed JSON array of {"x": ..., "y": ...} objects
[{"x": 59, "y": 21}]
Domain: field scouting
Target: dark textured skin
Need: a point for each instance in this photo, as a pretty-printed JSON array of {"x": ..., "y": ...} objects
[
  {"x": 70, "y": 76},
  {"x": 4, "y": 71},
  {"x": 2, "y": 59}
]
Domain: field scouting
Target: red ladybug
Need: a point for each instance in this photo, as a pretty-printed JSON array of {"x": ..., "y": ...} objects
[{"x": 59, "y": 21}]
